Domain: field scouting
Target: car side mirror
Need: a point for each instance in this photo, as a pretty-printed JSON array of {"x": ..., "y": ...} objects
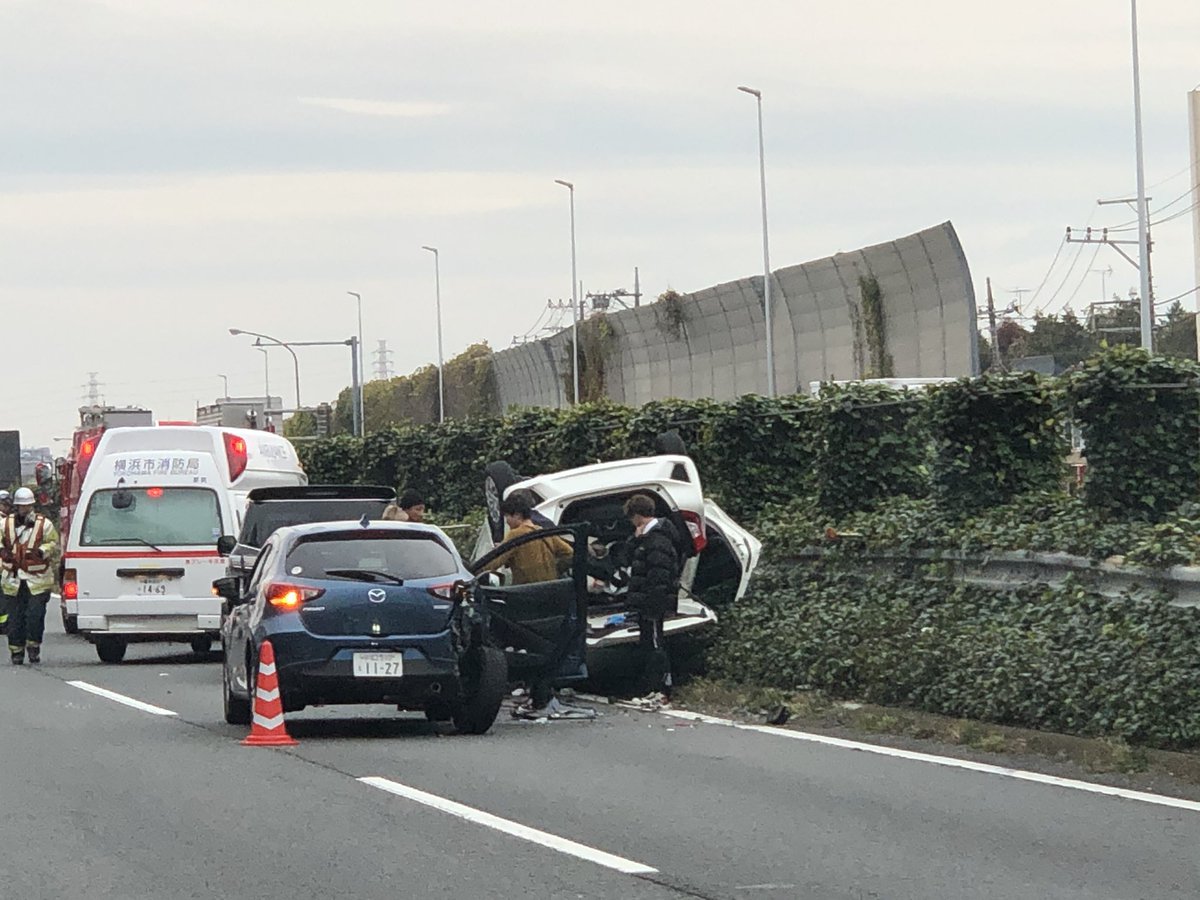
[
  {"x": 490, "y": 579},
  {"x": 228, "y": 588},
  {"x": 122, "y": 499},
  {"x": 225, "y": 544}
]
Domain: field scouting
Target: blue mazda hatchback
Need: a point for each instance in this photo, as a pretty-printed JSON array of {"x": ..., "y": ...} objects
[{"x": 366, "y": 612}]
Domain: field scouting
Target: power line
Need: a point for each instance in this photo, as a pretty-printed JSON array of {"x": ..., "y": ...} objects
[
  {"x": 1083, "y": 280},
  {"x": 1063, "y": 283},
  {"x": 1053, "y": 262}
]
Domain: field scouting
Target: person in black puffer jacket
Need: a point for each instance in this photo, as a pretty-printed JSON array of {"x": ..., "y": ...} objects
[{"x": 653, "y": 589}]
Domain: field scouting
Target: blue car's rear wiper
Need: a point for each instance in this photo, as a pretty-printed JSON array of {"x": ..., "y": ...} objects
[{"x": 364, "y": 575}]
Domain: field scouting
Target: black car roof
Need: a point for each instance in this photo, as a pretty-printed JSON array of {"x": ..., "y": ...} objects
[{"x": 322, "y": 492}]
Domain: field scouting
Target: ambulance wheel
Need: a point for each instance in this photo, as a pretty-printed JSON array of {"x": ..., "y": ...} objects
[
  {"x": 70, "y": 623},
  {"x": 202, "y": 644},
  {"x": 110, "y": 650}
]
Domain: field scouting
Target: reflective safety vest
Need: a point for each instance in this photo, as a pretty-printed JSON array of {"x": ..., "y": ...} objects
[{"x": 27, "y": 551}]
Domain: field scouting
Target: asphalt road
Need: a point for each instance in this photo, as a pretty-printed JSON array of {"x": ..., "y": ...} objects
[{"x": 103, "y": 800}]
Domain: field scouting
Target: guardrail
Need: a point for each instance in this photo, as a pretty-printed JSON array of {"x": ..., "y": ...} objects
[{"x": 1008, "y": 571}]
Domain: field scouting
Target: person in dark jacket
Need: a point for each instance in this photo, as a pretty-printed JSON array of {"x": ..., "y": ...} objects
[{"x": 653, "y": 590}]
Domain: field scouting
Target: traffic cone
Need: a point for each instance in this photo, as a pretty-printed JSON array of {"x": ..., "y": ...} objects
[{"x": 267, "y": 728}]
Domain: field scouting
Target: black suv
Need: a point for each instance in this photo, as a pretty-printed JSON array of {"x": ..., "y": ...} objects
[{"x": 269, "y": 509}]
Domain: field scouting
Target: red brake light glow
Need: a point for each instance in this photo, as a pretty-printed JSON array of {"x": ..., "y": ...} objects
[
  {"x": 236, "y": 453},
  {"x": 87, "y": 448},
  {"x": 290, "y": 596},
  {"x": 70, "y": 588},
  {"x": 154, "y": 493}
]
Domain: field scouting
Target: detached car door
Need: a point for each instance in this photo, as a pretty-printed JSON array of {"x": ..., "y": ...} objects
[{"x": 536, "y": 602}]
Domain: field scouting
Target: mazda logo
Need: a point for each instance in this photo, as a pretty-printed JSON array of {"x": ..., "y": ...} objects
[{"x": 376, "y": 595}]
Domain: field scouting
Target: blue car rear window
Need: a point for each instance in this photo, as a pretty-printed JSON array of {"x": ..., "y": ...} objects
[{"x": 408, "y": 556}]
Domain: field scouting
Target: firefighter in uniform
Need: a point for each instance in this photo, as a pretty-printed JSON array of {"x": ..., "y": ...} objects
[
  {"x": 26, "y": 547},
  {"x": 5, "y": 511}
]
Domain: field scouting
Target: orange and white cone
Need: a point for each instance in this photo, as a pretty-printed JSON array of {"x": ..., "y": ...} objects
[{"x": 267, "y": 728}]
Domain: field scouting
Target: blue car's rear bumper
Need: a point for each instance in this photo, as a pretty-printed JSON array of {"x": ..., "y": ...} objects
[{"x": 315, "y": 669}]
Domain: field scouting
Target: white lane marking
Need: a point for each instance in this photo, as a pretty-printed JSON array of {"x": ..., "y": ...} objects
[
  {"x": 948, "y": 761},
  {"x": 515, "y": 829},
  {"x": 121, "y": 698}
]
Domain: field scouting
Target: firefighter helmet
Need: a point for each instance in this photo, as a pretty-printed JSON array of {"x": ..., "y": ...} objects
[{"x": 23, "y": 497}]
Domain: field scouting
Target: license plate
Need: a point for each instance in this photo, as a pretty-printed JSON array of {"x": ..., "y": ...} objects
[
  {"x": 152, "y": 587},
  {"x": 378, "y": 665}
]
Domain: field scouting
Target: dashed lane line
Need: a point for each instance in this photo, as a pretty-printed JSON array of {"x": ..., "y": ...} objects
[
  {"x": 121, "y": 698},
  {"x": 509, "y": 827}
]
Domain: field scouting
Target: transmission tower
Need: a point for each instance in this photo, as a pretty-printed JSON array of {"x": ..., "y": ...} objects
[
  {"x": 93, "y": 389},
  {"x": 383, "y": 362}
]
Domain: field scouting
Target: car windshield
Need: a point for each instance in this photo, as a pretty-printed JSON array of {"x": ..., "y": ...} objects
[
  {"x": 154, "y": 516},
  {"x": 263, "y": 519},
  {"x": 402, "y": 555}
]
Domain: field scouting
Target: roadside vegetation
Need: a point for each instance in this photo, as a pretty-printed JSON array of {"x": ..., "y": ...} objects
[{"x": 977, "y": 466}]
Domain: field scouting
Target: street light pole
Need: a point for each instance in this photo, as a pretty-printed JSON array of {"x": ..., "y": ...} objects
[
  {"x": 358, "y": 397},
  {"x": 284, "y": 344},
  {"x": 356, "y": 386},
  {"x": 1147, "y": 308},
  {"x": 762, "y": 177},
  {"x": 437, "y": 288},
  {"x": 225, "y": 378},
  {"x": 574, "y": 295},
  {"x": 266, "y": 382}
]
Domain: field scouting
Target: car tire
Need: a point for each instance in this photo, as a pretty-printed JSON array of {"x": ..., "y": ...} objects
[
  {"x": 485, "y": 682},
  {"x": 669, "y": 443},
  {"x": 110, "y": 650},
  {"x": 202, "y": 644},
  {"x": 70, "y": 623},
  {"x": 237, "y": 710},
  {"x": 498, "y": 477}
]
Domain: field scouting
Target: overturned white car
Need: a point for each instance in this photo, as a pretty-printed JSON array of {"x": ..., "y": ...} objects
[{"x": 717, "y": 551}]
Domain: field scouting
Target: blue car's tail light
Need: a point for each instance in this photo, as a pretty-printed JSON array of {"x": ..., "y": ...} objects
[{"x": 290, "y": 596}]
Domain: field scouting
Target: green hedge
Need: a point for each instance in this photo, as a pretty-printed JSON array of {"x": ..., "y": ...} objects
[
  {"x": 749, "y": 451},
  {"x": 973, "y": 445},
  {"x": 995, "y": 437},
  {"x": 1064, "y": 659},
  {"x": 871, "y": 444},
  {"x": 1141, "y": 426}
]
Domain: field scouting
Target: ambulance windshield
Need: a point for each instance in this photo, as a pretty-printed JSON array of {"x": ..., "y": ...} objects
[{"x": 163, "y": 516}]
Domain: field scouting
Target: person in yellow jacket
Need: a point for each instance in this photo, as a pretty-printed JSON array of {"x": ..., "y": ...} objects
[{"x": 27, "y": 544}]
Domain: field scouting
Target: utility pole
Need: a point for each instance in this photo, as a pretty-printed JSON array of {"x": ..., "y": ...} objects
[
  {"x": 1143, "y": 202},
  {"x": 637, "y": 289},
  {"x": 1142, "y": 264},
  {"x": 992, "y": 330}
]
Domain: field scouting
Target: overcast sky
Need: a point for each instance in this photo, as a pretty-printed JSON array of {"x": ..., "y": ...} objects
[{"x": 170, "y": 169}]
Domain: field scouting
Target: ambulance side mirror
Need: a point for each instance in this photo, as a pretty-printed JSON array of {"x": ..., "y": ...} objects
[
  {"x": 225, "y": 544},
  {"x": 122, "y": 499}
]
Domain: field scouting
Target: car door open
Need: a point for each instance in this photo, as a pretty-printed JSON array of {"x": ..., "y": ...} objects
[{"x": 537, "y": 603}]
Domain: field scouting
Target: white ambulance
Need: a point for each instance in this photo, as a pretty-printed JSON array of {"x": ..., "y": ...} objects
[{"x": 141, "y": 554}]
